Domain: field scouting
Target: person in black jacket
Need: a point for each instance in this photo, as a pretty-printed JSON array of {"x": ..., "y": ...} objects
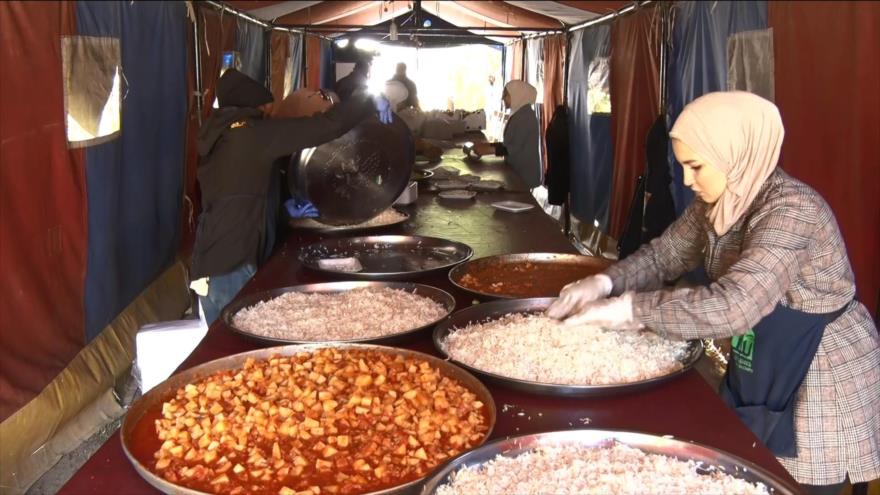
[
  {"x": 238, "y": 146},
  {"x": 356, "y": 80}
]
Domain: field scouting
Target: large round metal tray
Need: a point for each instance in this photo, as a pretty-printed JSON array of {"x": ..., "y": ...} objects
[
  {"x": 709, "y": 458},
  {"x": 439, "y": 296},
  {"x": 455, "y": 275},
  {"x": 388, "y": 257},
  {"x": 316, "y": 226},
  {"x": 164, "y": 390},
  {"x": 496, "y": 309}
]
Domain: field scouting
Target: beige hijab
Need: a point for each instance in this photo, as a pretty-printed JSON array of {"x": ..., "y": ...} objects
[
  {"x": 741, "y": 134},
  {"x": 521, "y": 94}
]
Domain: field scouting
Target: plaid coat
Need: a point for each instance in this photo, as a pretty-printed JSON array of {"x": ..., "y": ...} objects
[{"x": 786, "y": 249}]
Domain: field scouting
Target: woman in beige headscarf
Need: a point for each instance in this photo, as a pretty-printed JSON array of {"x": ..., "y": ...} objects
[
  {"x": 521, "y": 145},
  {"x": 804, "y": 373}
]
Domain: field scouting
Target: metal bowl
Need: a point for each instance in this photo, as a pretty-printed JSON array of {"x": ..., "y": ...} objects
[
  {"x": 709, "y": 458},
  {"x": 387, "y": 257},
  {"x": 456, "y": 274},
  {"x": 496, "y": 309},
  {"x": 160, "y": 393},
  {"x": 313, "y": 225},
  {"x": 421, "y": 174},
  {"x": 439, "y": 296}
]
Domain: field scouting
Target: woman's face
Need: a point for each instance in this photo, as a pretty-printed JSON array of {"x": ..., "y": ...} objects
[
  {"x": 706, "y": 180},
  {"x": 505, "y": 97}
]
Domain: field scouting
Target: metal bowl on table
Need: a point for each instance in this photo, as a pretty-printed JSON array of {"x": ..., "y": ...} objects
[
  {"x": 708, "y": 458},
  {"x": 132, "y": 432},
  {"x": 494, "y": 310},
  {"x": 439, "y": 296},
  {"x": 387, "y": 257},
  {"x": 524, "y": 275}
]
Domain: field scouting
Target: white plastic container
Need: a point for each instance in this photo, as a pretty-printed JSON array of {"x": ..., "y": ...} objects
[{"x": 409, "y": 195}]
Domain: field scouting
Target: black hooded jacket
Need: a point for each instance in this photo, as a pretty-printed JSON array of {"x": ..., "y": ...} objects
[{"x": 238, "y": 149}]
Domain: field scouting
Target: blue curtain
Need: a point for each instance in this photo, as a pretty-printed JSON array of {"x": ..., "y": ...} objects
[
  {"x": 591, "y": 148},
  {"x": 295, "y": 61},
  {"x": 135, "y": 182},
  {"x": 698, "y": 60},
  {"x": 250, "y": 43}
]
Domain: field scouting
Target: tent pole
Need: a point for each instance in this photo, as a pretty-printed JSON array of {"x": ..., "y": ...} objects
[
  {"x": 610, "y": 16},
  {"x": 566, "y": 205},
  {"x": 198, "y": 68},
  {"x": 664, "y": 53}
]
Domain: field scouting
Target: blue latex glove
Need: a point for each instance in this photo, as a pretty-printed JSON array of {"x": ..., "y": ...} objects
[
  {"x": 298, "y": 208},
  {"x": 383, "y": 106}
]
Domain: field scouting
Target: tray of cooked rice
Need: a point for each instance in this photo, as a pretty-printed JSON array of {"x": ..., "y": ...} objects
[
  {"x": 600, "y": 461},
  {"x": 512, "y": 343},
  {"x": 338, "y": 312}
]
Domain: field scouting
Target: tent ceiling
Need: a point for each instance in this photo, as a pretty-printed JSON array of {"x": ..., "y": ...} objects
[{"x": 487, "y": 14}]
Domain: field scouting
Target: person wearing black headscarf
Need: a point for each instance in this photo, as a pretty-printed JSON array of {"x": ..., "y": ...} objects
[{"x": 238, "y": 146}]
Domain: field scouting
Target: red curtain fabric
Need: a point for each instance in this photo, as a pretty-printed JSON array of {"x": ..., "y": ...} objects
[
  {"x": 312, "y": 75},
  {"x": 635, "y": 100},
  {"x": 827, "y": 81},
  {"x": 279, "y": 45},
  {"x": 519, "y": 47},
  {"x": 42, "y": 203},
  {"x": 554, "y": 75}
]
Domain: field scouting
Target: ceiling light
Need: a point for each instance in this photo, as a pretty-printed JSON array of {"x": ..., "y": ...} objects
[
  {"x": 366, "y": 44},
  {"x": 342, "y": 43}
]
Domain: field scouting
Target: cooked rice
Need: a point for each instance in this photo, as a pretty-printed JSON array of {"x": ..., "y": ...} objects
[
  {"x": 577, "y": 469},
  {"x": 387, "y": 217},
  {"x": 355, "y": 314},
  {"x": 540, "y": 349}
]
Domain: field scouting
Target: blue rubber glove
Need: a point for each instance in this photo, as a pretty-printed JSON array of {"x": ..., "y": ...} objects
[
  {"x": 298, "y": 208},
  {"x": 383, "y": 106}
]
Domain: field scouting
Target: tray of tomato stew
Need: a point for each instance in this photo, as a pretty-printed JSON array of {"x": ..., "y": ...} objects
[
  {"x": 524, "y": 275},
  {"x": 300, "y": 419}
]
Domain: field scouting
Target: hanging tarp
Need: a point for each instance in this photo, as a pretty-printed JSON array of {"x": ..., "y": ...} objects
[
  {"x": 218, "y": 36},
  {"x": 279, "y": 45},
  {"x": 313, "y": 54},
  {"x": 635, "y": 101},
  {"x": 590, "y": 124},
  {"x": 827, "y": 92},
  {"x": 698, "y": 59},
  {"x": 250, "y": 43},
  {"x": 294, "y": 76},
  {"x": 135, "y": 182},
  {"x": 42, "y": 196},
  {"x": 554, "y": 73}
]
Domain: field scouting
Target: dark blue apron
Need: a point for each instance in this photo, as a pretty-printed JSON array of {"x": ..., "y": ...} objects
[{"x": 766, "y": 368}]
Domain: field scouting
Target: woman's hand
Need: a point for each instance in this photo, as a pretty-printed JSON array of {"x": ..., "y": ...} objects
[
  {"x": 576, "y": 295},
  {"x": 615, "y": 313}
]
